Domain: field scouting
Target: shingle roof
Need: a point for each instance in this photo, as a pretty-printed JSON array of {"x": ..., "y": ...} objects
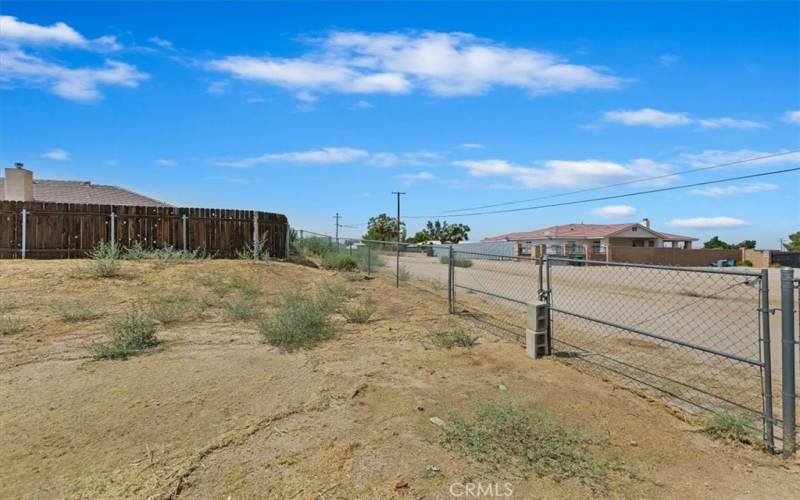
[
  {"x": 54, "y": 191},
  {"x": 580, "y": 231}
]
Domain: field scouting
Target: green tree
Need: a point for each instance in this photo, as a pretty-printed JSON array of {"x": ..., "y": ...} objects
[
  {"x": 715, "y": 242},
  {"x": 384, "y": 228},
  {"x": 747, "y": 244},
  {"x": 446, "y": 233},
  {"x": 794, "y": 242},
  {"x": 420, "y": 237}
]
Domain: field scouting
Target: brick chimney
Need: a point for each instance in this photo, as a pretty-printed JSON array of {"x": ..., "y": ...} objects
[{"x": 18, "y": 184}]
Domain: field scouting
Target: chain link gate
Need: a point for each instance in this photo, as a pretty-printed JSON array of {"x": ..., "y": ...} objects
[{"x": 700, "y": 337}]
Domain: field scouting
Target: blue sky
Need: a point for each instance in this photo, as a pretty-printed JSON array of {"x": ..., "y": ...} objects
[{"x": 310, "y": 109}]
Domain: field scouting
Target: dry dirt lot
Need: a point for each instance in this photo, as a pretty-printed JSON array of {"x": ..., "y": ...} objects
[{"x": 215, "y": 413}]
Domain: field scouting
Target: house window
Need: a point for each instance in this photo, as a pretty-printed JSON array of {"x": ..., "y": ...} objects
[
  {"x": 634, "y": 228},
  {"x": 638, "y": 243},
  {"x": 597, "y": 247}
]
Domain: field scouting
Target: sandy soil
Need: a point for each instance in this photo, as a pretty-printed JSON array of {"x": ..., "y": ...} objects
[{"x": 214, "y": 413}]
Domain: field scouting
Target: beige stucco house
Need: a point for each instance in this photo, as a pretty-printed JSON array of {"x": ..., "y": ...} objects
[{"x": 592, "y": 239}]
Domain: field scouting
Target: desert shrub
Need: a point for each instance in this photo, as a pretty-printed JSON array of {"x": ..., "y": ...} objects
[
  {"x": 746, "y": 263},
  {"x": 243, "y": 307},
  {"x": 332, "y": 294},
  {"x": 300, "y": 322},
  {"x": 339, "y": 261},
  {"x": 129, "y": 336},
  {"x": 259, "y": 251},
  {"x": 450, "y": 336},
  {"x": 316, "y": 245},
  {"x": 353, "y": 276},
  {"x": 169, "y": 308},
  {"x": 368, "y": 260},
  {"x": 10, "y": 325},
  {"x": 106, "y": 250},
  {"x": 457, "y": 262},
  {"x": 75, "y": 311},
  {"x": 507, "y": 435},
  {"x": 359, "y": 312},
  {"x": 103, "y": 268},
  {"x": 727, "y": 426},
  {"x": 137, "y": 251}
]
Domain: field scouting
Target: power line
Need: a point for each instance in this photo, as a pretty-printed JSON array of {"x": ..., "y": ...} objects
[
  {"x": 625, "y": 183},
  {"x": 611, "y": 197}
]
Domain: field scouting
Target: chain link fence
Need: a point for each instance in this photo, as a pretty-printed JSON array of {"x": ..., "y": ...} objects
[{"x": 707, "y": 340}]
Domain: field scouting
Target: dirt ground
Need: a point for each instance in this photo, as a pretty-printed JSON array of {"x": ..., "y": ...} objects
[{"x": 215, "y": 413}]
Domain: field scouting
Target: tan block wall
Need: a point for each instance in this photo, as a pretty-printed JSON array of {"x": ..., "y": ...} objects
[
  {"x": 672, "y": 256},
  {"x": 759, "y": 258}
]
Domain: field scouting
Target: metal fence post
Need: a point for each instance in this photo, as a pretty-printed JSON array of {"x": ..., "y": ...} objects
[
  {"x": 766, "y": 342},
  {"x": 255, "y": 235},
  {"x": 113, "y": 237},
  {"x": 787, "y": 362},
  {"x": 369, "y": 259},
  {"x": 24, "y": 232},
  {"x": 451, "y": 286},
  {"x": 184, "y": 219},
  {"x": 548, "y": 299},
  {"x": 288, "y": 243}
]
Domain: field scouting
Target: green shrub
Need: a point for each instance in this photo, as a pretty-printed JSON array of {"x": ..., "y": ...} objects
[
  {"x": 243, "y": 307},
  {"x": 339, "y": 261},
  {"x": 106, "y": 250},
  {"x": 451, "y": 336},
  {"x": 746, "y": 263},
  {"x": 104, "y": 268},
  {"x": 171, "y": 307},
  {"x": 258, "y": 252},
  {"x": 369, "y": 259},
  {"x": 129, "y": 336},
  {"x": 316, "y": 245},
  {"x": 457, "y": 262},
  {"x": 301, "y": 322},
  {"x": 137, "y": 251},
  {"x": 10, "y": 325},
  {"x": 75, "y": 311},
  {"x": 360, "y": 312},
  {"x": 727, "y": 426},
  {"x": 510, "y": 434}
]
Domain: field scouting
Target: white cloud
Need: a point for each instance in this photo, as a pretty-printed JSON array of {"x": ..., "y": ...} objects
[
  {"x": 161, "y": 42},
  {"x": 718, "y": 156},
  {"x": 471, "y": 145},
  {"x": 17, "y": 32},
  {"x": 322, "y": 156},
  {"x": 443, "y": 64},
  {"x": 408, "y": 179},
  {"x": 792, "y": 116},
  {"x": 721, "y": 191},
  {"x": 362, "y": 105},
  {"x": 647, "y": 117},
  {"x": 614, "y": 211},
  {"x": 726, "y": 122},
  {"x": 341, "y": 155},
  {"x": 217, "y": 88},
  {"x": 166, "y": 162},
  {"x": 56, "y": 154},
  {"x": 709, "y": 223},
  {"x": 25, "y": 66},
  {"x": 565, "y": 173},
  {"x": 80, "y": 85}
]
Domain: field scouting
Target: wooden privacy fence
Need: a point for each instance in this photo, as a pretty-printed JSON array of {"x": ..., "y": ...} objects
[{"x": 63, "y": 230}]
